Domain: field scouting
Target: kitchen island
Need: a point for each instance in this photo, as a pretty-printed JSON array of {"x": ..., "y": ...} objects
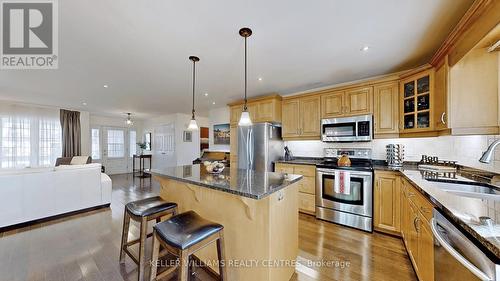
[{"x": 259, "y": 212}]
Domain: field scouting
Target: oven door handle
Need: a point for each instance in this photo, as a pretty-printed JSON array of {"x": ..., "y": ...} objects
[
  {"x": 461, "y": 259},
  {"x": 323, "y": 171}
]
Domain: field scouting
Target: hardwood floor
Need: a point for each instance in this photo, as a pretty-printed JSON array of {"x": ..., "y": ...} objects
[{"x": 86, "y": 247}]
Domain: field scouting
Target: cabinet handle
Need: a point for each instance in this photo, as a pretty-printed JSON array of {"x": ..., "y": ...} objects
[
  {"x": 425, "y": 210},
  {"x": 442, "y": 118},
  {"x": 411, "y": 194}
]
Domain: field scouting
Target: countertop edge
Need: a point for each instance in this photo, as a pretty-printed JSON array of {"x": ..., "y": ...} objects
[{"x": 230, "y": 191}]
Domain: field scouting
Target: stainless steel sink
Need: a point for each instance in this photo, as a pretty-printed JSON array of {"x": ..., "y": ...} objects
[{"x": 470, "y": 189}]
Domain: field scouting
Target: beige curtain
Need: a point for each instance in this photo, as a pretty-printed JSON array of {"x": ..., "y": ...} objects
[{"x": 71, "y": 133}]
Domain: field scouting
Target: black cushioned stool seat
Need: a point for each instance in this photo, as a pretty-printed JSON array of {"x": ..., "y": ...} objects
[
  {"x": 183, "y": 235},
  {"x": 143, "y": 211}
]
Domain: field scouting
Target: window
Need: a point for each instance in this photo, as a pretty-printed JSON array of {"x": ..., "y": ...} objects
[
  {"x": 132, "y": 143},
  {"x": 29, "y": 141},
  {"x": 50, "y": 146},
  {"x": 16, "y": 142},
  {"x": 96, "y": 146},
  {"x": 116, "y": 143}
]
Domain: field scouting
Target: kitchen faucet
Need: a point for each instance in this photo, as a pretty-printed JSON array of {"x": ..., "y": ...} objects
[{"x": 486, "y": 158}]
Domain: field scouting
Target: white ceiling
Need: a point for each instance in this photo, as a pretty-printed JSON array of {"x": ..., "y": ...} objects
[{"x": 141, "y": 48}]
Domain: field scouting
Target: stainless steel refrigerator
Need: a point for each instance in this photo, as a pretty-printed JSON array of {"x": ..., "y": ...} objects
[{"x": 259, "y": 146}]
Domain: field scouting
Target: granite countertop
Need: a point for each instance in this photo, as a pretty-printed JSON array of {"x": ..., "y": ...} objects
[
  {"x": 463, "y": 210},
  {"x": 246, "y": 183},
  {"x": 301, "y": 161}
]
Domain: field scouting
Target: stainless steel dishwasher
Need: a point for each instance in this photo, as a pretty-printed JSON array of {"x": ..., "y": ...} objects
[{"x": 456, "y": 257}]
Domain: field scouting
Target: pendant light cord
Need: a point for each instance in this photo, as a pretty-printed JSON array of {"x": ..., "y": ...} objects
[
  {"x": 245, "y": 107},
  {"x": 194, "y": 79}
]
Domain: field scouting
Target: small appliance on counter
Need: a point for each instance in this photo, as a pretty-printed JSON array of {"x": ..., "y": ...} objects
[
  {"x": 344, "y": 194},
  {"x": 395, "y": 154},
  {"x": 288, "y": 154}
]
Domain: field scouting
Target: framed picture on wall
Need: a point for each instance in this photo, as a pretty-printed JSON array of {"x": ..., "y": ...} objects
[
  {"x": 147, "y": 140},
  {"x": 188, "y": 136},
  {"x": 221, "y": 134}
]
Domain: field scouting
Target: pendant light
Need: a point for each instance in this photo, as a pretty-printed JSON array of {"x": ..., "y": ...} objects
[
  {"x": 193, "y": 126},
  {"x": 129, "y": 121},
  {"x": 245, "y": 116}
]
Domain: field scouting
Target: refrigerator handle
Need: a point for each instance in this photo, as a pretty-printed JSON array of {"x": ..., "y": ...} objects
[{"x": 250, "y": 144}]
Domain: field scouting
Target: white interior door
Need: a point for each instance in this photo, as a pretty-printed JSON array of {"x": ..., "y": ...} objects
[{"x": 115, "y": 154}]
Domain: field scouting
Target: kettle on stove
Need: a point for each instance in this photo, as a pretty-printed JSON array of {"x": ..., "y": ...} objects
[{"x": 344, "y": 161}]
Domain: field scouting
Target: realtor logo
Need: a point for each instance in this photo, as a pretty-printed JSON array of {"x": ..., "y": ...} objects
[{"x": 29, "y": 35}]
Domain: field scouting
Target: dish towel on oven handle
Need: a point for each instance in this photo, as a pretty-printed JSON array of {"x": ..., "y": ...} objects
[{"x": 342, "y": 183}]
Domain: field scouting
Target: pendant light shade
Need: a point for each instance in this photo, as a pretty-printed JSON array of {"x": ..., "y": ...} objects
[
  {"x": 193, "y": 126},
  {"x": 245, "y": 116}
]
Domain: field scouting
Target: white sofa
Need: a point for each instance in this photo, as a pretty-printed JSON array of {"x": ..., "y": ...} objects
[{"x": 35, "y": 193}]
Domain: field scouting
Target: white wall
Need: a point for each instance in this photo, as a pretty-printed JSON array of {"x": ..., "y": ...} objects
[
  {"x": 464, "y": 149},
  {"x": 185, "y": 152},
  {"x": 218, "y": 116}
]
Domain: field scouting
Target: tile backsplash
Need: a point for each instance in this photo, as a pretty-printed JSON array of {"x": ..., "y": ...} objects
[{"x": 465, "y": 149}]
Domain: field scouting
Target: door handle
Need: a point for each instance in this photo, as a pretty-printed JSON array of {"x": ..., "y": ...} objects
[
  {"x": 415, "y": 224},
  {"x": 461, "y": 259}
]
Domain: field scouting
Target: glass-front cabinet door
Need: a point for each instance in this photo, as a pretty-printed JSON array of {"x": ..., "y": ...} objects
[{"x": 416, "y": 102}]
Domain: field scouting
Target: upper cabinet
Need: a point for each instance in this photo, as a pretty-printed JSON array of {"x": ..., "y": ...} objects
[
  {"x": 441, "y": 86},
  {"x": 354, "y": 101},
  {"x": 263, "y": 109},
  {"x": 416, "y": 103},
  {"x": 386, "y": 110},
  {"x": 301, "y": 118}
]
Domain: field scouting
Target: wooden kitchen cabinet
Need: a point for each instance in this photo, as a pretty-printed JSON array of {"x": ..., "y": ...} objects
[
  {"x": 387, "y": 202},
  {"x": 386, "y": 110},
  {"x": 353, "y": 101},
  {"x": 301, "y": 118},
  {"x": 262, "y": 109},
  {"x": 332, "y": 104},
  {"x": 359, "y": 101},
  {"x": 416, "y": 103},
  {"x": 416, "y": 212},
  {"x": 441, "y": 86},
  {"x": 307, "y": 186}
]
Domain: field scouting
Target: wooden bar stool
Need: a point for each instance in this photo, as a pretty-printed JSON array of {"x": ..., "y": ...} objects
[
  {"x": 182, "y": 235},
  {"x": 143, "y": 211}
]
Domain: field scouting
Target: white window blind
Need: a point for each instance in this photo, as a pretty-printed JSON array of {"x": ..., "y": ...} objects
[
  {"x": 132, "y": 143},
  {"x": 116, "y": 143},
  {"x": 16, "y": 142},
  {"x": 96, "y": 145}
]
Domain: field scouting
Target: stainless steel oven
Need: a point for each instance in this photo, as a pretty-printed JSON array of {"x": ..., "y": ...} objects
[
  {"x": 353, "y": 208},
  {"x": 347, "y": 129}
]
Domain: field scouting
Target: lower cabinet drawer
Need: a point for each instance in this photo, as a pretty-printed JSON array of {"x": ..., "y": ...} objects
[
  {"x": 307, "y": 203},
  {"x": 307, "y": 185}
]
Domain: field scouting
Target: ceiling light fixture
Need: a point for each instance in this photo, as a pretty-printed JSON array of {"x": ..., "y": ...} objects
[
  {"x": 260, "y": 78},
  {"x": 206, "y": 94},
  {"x": 106, "y": 86},
  {"x": 245, "y": 116},
  {"x": 365, "y": 48},
  {"x": 129, "y": 121},
  {"x": 84, "y": 103},
  {"x": 213, "y": 102},
  {"x": 193, "y": 126}
]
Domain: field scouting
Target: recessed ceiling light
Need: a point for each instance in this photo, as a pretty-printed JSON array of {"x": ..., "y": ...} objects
[
  {"x": 365, "y": 48},
  {"x": 206, "y": 94},
  {"x": 106, "y": 86},
  {"x": 213, "y": 102},
  {"x": 260, "y": 78},
  {"x": 84, "y": 103}
]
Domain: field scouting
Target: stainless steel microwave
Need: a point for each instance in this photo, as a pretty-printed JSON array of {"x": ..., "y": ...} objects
[{"x": 347, "y": 129}]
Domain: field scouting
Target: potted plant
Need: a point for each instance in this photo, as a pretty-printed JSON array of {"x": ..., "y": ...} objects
[{"x": 142, "y": 146}]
